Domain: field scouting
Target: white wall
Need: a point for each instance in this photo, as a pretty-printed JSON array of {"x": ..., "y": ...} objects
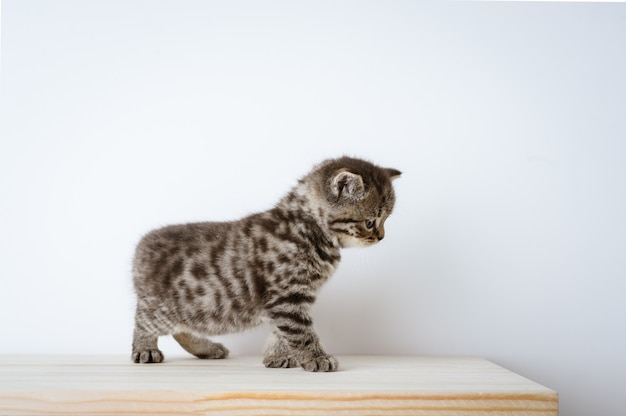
[{"x": 508, "y": 121}]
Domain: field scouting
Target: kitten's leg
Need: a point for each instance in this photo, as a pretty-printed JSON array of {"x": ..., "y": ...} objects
[
  {"x": 277, "y": 353},
  {"x": 145, "y": 347},
  {"x": 149, "y": 325},
  {"x": 295, "y": 326},
  {"x": 200, "y": 347}
]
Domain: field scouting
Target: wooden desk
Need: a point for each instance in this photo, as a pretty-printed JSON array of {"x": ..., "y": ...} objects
[{"x": 364, "y": 385}]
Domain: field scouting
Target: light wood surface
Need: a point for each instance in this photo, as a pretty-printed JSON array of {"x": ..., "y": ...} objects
[{"x": 364, "y": 385}]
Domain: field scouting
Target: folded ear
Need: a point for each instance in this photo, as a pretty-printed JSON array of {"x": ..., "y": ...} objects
[
  {"x": 347, "y": 184},
  {"x": 393, "y": 173}
]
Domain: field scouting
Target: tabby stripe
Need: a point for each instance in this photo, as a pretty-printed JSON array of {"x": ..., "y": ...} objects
[
  {"x": 291, "y": 330},
  {"x": 344, "y": 221},
  {"x": 324, "y": 256},
  {"x": 226, "y": 285},
  {"x": 258, "y": 285},
  {"x": 240, "y": 281},
  {"x": 294, "y": 317},
  {"x": 341, "y": 230},
  {"x": 316, "y": 276},
  {"x": 293, "y": 299},
  {"x": 290, "y": 237},
  {"x": 217, "y": 297},
  {"x": 304, "y": 340}
]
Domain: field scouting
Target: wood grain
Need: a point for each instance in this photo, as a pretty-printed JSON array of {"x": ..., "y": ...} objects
[{"x": 365, "y": 385}]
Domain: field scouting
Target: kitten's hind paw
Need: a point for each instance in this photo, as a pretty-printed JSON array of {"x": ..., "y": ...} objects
[
  {"x": 214, "y": 351},
  {"x": 147, "y": 356},
  {"x": 323, "y": 363},
  {"x": 280, "y": 361},
  {"x": 201, "y": 347}
]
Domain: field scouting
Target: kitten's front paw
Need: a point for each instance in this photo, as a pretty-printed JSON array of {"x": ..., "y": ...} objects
[
  {"x": 280, "y": 361},
  {"x": 147, "y": 356},
  {"x": 322, "y": 363}
]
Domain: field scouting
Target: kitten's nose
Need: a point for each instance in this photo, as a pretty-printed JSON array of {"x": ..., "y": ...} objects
[{"x": 380, "y": 232}]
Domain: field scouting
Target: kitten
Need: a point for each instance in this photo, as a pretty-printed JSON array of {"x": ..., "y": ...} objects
[{"x": 212, "y": 278}]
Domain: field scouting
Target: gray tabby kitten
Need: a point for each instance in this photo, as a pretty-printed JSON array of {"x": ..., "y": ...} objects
[{"x": 212, "y": 278}]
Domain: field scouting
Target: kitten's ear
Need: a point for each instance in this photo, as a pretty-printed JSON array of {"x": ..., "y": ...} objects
[
  {"x": 347, "y": 184},
  {"x": 393, "y": 173}
]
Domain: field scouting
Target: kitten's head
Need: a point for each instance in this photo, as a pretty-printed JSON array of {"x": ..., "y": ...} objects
[{"x": 359, "y": 197}]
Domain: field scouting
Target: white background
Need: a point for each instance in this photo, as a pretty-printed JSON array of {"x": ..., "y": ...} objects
[{"x": 507, "y": 120}]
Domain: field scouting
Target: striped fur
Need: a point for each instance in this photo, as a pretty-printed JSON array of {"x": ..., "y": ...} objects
[{"x": 202, "y": 279}]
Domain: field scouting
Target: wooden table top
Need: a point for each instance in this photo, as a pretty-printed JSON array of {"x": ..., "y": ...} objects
[{"x": 389, "y": 385}]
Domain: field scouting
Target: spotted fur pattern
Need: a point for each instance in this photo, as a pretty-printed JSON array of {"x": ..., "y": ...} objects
[{"x": 203, "y": 279}]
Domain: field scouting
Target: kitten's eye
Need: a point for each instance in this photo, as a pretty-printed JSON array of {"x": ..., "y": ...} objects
[{"x": 370, "y": 224}]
